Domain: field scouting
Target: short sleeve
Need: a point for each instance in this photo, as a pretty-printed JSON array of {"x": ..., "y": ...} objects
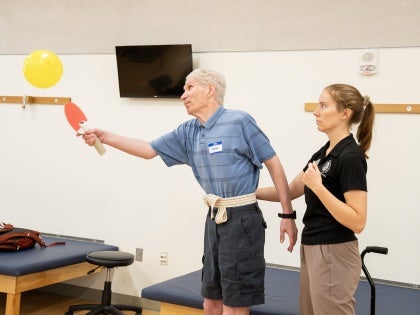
[
  {"x": 171, "y": 147},
  {"x": 260, "y": 148},
  {"x": 352, "y": 172}
]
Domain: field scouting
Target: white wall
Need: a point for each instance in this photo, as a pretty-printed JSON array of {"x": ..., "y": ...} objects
[{"x": 51, "y": 181}]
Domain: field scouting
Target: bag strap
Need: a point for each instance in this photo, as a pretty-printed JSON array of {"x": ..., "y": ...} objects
[
  {"x": 41, "y": 242},
  {"x": 55, "y": 243}
]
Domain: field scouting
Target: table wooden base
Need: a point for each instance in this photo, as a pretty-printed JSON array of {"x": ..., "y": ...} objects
[{"x": 14, "y": 286}]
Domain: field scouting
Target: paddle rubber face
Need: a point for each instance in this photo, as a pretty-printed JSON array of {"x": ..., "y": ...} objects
[
  {"x": 74, "y": 115},
  {"x": 78, "y": 121}
]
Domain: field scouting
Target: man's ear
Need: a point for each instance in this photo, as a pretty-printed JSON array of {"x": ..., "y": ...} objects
[{"x": 212, "y": 91}]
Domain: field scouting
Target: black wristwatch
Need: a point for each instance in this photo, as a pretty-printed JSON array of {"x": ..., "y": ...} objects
[{"x": 288, "y": 215}]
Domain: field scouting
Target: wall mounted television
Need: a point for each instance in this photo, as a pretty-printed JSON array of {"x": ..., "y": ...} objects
[{"x": 153, "y": 70}]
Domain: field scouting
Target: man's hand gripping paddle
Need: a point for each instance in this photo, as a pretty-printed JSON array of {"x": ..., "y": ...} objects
[{"x": 78, "y": 121}]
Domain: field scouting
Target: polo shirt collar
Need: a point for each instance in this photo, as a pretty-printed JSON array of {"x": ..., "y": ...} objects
[
  {"x": 212, "y": 120},
  {"x": 340, "y": 146}
]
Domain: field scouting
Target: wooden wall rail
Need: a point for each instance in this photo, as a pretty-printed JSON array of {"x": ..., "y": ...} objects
[
  {"x": 381, "y": 108},
  {"x": 28, "y": 100}
]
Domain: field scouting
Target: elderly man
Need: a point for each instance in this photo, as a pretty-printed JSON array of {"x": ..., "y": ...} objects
[{"x": 226, "y": 150}]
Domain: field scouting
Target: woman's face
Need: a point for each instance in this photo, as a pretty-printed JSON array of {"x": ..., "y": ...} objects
[{"x": 328, "y": 118}]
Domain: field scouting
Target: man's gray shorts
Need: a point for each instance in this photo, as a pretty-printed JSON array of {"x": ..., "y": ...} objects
[{"x": 233, "y": 261}]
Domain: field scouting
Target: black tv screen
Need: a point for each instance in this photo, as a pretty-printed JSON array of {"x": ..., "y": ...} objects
[{"x": 153, "y": 70}]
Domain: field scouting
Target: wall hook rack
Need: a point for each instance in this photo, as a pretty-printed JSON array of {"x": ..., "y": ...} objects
[
  {"x": 25, "y": 100},
  {"x": 381, "y": 108}
]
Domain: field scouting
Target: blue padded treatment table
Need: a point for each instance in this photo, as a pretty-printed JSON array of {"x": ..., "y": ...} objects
[
  {"x": 38, "y": 267},
  {"x": 282, "y": 295}
]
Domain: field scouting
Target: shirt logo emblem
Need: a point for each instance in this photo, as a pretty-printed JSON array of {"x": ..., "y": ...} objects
[{"x": 326, "y": 167}]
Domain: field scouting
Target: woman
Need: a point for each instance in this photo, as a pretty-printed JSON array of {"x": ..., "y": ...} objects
[{"x": 334, "y": 184}]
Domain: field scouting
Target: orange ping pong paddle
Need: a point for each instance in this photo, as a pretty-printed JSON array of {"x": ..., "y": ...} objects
[{"x": 77, "y": 119}]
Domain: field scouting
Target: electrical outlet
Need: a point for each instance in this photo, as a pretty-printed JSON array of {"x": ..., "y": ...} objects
[
  {"x": 139, "y": 254},
  {"x": 164, "y": 258}
]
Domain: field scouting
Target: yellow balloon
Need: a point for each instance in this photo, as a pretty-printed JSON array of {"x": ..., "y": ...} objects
[{"x": 42, "y": 68}]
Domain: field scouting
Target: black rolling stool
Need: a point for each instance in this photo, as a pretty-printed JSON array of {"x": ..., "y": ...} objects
[{"x": 109, "y": 260}]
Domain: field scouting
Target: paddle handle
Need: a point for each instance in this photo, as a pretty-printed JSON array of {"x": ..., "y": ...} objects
[
  {"x": 99, "y": 147},
  {"x": 98, "y": 144}
]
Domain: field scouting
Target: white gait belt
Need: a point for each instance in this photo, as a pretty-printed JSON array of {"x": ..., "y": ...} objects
[{"x": 221, "y": 204}]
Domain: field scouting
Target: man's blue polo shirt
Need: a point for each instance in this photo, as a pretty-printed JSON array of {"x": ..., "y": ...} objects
[{"x": 225, "y": 154}]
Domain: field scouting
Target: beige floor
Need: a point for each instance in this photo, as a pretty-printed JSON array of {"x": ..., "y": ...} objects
[{"x": 41, "y": 303}]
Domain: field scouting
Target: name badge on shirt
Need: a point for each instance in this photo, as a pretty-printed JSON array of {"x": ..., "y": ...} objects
[{"x": 215, "y": 147}]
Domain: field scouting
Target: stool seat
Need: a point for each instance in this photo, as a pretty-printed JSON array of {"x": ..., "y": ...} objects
[{"x": 110, "y": 258}]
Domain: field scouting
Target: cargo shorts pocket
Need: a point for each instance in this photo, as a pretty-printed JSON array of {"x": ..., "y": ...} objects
[{"x": 251, "y": 273}]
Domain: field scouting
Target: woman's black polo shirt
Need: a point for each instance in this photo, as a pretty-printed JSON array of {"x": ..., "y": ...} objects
[{"x": 343, "y": 169}]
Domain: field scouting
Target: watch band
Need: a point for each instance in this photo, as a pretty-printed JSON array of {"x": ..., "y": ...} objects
[{"x": 288, "y": 215}]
